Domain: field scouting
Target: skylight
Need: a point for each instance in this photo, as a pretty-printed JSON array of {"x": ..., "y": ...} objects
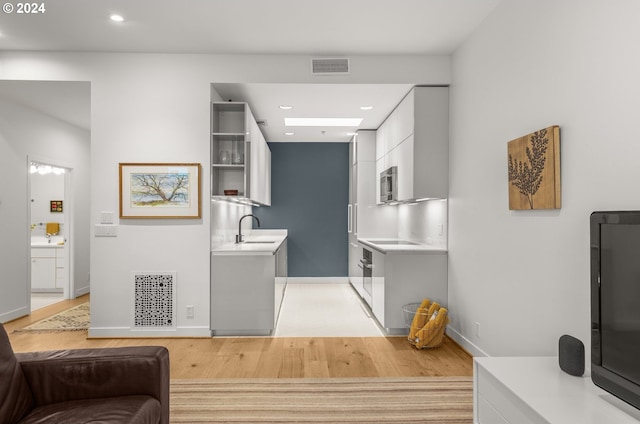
[{"x": 322, "y": 122}]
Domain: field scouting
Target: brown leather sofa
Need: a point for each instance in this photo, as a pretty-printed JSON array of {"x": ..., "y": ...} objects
[{"x": 117, "y": 385}]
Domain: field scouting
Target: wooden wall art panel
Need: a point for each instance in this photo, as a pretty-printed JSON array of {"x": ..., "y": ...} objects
[{"x": 534, "y": 170}]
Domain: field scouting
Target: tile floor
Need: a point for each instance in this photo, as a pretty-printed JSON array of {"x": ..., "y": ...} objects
[
  {"x": 40, "y": 300},
  {"x": 308, "y": 310},
  {"x": 324, "y": 310}
]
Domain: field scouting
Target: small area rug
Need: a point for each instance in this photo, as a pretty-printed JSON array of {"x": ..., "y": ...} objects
[
  {"x": 332, "y": 400},
  {"x": 74, "y": 319}
]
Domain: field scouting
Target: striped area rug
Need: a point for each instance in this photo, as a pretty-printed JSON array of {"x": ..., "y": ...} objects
[{"x": 336, "y": 400}]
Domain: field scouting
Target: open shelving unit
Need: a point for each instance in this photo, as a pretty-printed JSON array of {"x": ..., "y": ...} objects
[{"x": 228, "y": 148}]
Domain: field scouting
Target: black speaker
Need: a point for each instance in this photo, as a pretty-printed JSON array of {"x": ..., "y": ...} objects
[{"x": 571, "y": 355}]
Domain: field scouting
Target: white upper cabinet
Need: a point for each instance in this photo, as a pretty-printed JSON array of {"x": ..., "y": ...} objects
[
  {"x": 365, "y": 146},
  {"x": 362, "y": 183},
  {"x": 240, "y": 156},
  {"x": 405, "y": 117},
  {"x": 431, "y": 143},
  {"x": 404, "y": 155},
  {"x": 381, "y": 145},
  {"x": 415, "y": 138},
  {"x": 259, "y": 171}
]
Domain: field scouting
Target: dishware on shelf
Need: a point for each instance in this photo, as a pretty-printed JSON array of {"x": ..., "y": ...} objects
[
  {"x": 225, "y": 158},
  {"x": 238, "y": 158}
]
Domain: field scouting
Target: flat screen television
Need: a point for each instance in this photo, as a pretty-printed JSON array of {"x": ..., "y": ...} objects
[{"x": 615, "y": 303}]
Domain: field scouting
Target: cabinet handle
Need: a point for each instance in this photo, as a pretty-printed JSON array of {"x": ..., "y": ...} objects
[
  {"x": 366, "y": 264},
  {"x": 355, "y": 218}
]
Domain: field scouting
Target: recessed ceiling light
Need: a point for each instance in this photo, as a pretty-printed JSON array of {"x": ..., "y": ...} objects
[
  {"x": 285, "y": 107},
  {"x": 322, "y": 122},
  {"x": 289, "y": 133},
  {"x": 366, "y": 107},
  {"x": 116, "y": 18}
]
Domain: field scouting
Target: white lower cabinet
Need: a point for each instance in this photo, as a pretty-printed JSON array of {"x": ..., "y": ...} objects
[
  {"x": 48, "y": 269},
  {"x": 247, "y": 292},
  {"x": 281, "y": 278},
  {"x": 43, "y": 274},
  {"x": 355, "y": 272},
  {"x": 403, "y": 278},
  {"x": 534, "y": 390}
]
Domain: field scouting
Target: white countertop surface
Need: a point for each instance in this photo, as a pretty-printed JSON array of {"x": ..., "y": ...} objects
[
  {"x": 396, "y": 246},
  {"x": 258, "y": 242},
  {"x": 56, "y": 241},
  {"x": 555, "y": 396}
]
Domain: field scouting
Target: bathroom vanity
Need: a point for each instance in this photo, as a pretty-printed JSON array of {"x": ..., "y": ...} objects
[{"x": 48, "y": 266}]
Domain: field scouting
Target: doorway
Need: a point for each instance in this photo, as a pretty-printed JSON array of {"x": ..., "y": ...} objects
[{"x": 50, "y": 212}]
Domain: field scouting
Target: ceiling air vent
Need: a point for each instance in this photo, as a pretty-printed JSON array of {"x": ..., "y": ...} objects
[{"x": 330, "y": 66}]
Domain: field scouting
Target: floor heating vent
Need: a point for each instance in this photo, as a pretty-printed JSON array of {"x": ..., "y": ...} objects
[
  {"x": 155, "y": 294},
  {"x": 330, "y": 66}
]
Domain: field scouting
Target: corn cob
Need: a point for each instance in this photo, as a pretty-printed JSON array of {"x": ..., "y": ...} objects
[
  {"x": 419, "y": 320},
  {"x": 433, "y": 329}
]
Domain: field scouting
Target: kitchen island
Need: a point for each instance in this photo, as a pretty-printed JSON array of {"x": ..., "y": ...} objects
[{"x": 248, "y": 281}]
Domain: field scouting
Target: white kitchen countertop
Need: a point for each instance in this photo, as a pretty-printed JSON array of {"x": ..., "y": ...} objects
[
  {"x": 384, "y": 245},
  {"x": 258, "y": 242}
]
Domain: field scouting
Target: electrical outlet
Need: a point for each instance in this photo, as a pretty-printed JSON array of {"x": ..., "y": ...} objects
[
  {"x": 190, "y": 311},
  {"x": 477, "y": 327},
  {"x": 441, "y": 229}
]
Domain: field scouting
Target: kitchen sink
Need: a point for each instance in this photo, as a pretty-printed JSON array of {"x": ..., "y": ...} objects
[{"x": 258, "y": 242}]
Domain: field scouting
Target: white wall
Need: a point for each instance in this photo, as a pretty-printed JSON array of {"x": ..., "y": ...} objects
[
  {"x": 26, "y": 133},
  {"x": 155, "y": 108},
  {"x": 524, "y": 276}
]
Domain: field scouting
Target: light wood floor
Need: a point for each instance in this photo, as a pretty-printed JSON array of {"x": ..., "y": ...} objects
[{"x": 266, "y": 357}]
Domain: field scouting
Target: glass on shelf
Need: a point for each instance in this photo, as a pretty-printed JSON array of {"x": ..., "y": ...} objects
[{"x": 238, "y": 158}]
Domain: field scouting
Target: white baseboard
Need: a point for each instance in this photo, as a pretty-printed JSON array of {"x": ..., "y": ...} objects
[
  {"x": 16, "y": 313},
  {"x": 125, "y": 332},
  {"x": 82, "y": 291},
  {"x": 465, "y": 343},
  {"x": 318, "y": 280}
]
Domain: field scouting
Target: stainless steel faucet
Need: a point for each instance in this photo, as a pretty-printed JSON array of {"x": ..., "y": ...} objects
[{"x": 239, "y": 235}]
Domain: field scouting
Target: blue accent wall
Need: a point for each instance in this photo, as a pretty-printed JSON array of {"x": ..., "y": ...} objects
[{"x": 309, "y": 198}]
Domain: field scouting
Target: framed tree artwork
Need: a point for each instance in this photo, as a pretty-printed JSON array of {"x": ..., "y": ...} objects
[
  {"x": 160, "y": 190},
  {"x": 534, "y": 170}
]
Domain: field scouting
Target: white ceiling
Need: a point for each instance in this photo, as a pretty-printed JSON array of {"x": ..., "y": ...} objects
[
  {"x": 315, "y": 27},
  {"x": 306, "y": 27},
  {"x": 315, "y": 101}
]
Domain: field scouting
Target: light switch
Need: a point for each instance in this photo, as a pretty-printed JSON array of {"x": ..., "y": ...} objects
[
  {"x": 106, "y": 230},
  {"x": 106, "y": 217}
]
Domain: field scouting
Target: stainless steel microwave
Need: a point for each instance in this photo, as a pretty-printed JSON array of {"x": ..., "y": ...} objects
[{"x": 389, "y": 184}]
